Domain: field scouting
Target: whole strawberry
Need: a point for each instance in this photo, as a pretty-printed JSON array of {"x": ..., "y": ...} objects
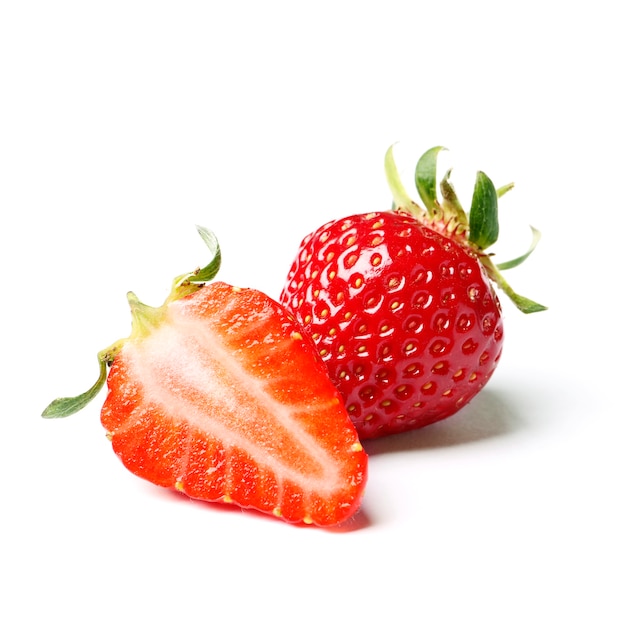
[{"x": 400, "y": 303}]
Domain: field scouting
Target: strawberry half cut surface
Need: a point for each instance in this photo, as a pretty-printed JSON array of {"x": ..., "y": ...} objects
[
  {"x": 401, "y": 304},
  {"x": 218, "y": 394}
]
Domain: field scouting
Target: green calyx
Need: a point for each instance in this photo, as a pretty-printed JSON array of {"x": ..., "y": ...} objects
[
  {"x": 442, "y": 211},
  {"x": 144, "y": 319}
]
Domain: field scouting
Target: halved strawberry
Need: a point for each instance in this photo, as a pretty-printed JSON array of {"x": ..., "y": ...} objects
[{"x": 217, "y": 394}]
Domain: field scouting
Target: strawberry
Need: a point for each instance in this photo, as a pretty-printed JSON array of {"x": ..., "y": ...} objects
[
  {"x": 400, "y": 303},
  {"x": 217, "y": 394}
]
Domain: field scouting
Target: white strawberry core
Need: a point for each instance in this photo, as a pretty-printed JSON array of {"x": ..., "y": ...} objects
[{"x": 185, "y": 370}]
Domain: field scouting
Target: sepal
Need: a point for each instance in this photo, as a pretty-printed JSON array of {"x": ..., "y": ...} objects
[
  {"x": 63, "y": 407},
  {"x": 483, "y": 218}
]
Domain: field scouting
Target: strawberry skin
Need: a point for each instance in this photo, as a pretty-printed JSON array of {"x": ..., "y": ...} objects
[
  {"x": 226, "y": 400},
  {"x": 405, "y": 319},
  {"x": 401, "y": 306},
  {"x": 219, "y": 395}
]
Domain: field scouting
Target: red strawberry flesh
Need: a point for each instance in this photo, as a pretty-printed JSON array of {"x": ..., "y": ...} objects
[{"x": 225, "y": 400}]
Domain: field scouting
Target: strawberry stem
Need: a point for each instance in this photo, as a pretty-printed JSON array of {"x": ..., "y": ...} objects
[
  {"x": 426, "y": 179},
  {"x": 144, "y": 318}
]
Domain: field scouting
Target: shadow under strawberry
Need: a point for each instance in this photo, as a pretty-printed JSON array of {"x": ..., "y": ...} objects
[{"x": 488, "y": 416}]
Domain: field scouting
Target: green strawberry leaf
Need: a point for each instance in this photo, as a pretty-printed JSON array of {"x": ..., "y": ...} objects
[
  {"x": 520, "y": 259},
  {"x": 209, "y": 272},
  {"x": 401, "y": 199},
  {"x": 188, "y": 283},
  {"x": 483, "y": 217},
  {"x": 426, "y": 178},
  {"x": 62, "y": 407},
  {"x": 502, "y": 190},
  {"x": 525, "y": 305}
]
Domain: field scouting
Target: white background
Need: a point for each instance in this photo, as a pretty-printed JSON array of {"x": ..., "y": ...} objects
[{"x": 124, "y": 124}]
